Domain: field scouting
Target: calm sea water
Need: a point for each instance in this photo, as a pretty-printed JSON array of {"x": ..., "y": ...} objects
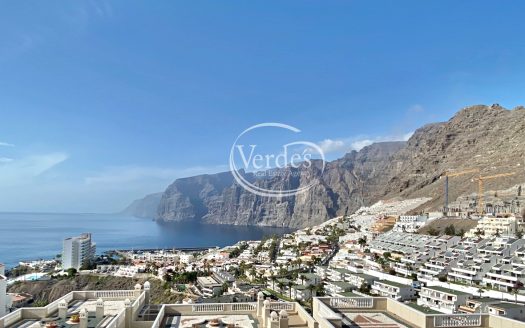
[{"x": 26, "y": 236}]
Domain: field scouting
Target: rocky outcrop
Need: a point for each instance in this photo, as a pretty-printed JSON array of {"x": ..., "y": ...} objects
[
  {"x": 144, "y": 208},
  {"x": 490, "y": 138}
]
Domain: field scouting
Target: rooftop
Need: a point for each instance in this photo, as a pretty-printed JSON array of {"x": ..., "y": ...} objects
[{"x": 446, "y": 290}]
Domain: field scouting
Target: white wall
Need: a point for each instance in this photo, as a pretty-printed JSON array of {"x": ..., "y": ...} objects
[{"x": 3, "y": 291}]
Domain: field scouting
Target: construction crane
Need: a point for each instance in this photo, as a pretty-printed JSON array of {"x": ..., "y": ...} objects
[
  {"x": 481, "y": 188},
  {"x": 447, "y": 175}
]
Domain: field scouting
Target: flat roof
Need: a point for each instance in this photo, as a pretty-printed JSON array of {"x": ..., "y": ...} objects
[
  {"x": 393, "y": 283},
  {"x": 446, "y": 290},
  {"x": 507, "y": 305},
  {"x": 207, "y": 281}
]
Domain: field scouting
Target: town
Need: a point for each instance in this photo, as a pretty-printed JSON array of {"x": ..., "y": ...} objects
[{"x": 373, "y": 256}]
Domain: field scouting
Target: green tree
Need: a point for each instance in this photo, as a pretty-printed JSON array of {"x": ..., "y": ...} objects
[
  {"x": 433, "y": 231},
  {"x": 364, "y": 288},
  {"x": 71, "y": 272},
  {"x": 450, "y": 230},
  {"x": 362, "y": 241}
]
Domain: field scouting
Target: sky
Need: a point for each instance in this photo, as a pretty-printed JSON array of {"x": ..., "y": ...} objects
[{"x": 102, "y": 102}]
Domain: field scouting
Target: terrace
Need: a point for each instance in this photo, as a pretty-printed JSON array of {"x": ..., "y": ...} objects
[
  {"x": 82, "y": 309},
  {"x": 384, "y": 312},
  {"x": 262, "y": 313}
]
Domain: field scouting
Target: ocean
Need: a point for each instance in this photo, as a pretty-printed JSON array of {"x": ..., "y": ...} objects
[{"x": 31, "y": 236}]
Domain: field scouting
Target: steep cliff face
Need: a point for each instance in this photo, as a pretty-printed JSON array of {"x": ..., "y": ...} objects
[
  {"x": 144, "y": 208},
  {"x": 490, "y": 138},
  {"x": 217, "y": 199}
]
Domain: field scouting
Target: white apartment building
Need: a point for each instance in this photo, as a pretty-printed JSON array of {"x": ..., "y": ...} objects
[
  {"x": 129, "y": 271},
  {"x": 157, "y": 256},
  {"x": 501, "y": 246},
  {"x": 505, "y": 277},
  {"x": 410, "y": 223},
  {"x": 186, "y": 258},
  {"x": 437, "y": 266},
  {"x": 208, "y": 286},
  {"x": 358, "y": 279},
  {"x": 407, "y": 243},
  {"x": 442, "y": 299},
  {"x": 78, "y": 251},
  {"x": 393, "y": 290},
  {"x": 492, "y": 226},
  {"x": 334, "y": 288},
  {"x": 471, "y": 270},
  {"x": 301, "y": 292}
]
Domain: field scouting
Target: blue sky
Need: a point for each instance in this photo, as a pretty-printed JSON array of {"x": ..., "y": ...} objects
[{"x": 102, "y": 102}]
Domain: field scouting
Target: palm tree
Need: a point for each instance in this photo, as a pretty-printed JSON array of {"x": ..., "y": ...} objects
[
  {"x": 303, "y": 278},
  {"x": 280, "y": 284},
  {"x": 312, "y": 289},
  {"x": 480, "y": 291},
  {"x": 299, "y": 262},
  {"x": 290, "y": 284},
  {"x": 273, "y": 279},
  {"x": 319, "y": 289},
  {"x": 252, "y": 272},
  {"x": 516, "y": 289}
]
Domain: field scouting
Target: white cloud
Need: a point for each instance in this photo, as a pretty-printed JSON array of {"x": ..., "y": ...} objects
[
  {"x": 6, "y": 144},
  {"x": 330, "y": 146},
  {"x": 357, "y": 143},
  {"x": 23, "y": 170}
]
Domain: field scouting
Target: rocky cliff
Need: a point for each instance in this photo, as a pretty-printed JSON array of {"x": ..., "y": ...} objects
[
  {"x": 144, "y": 208},
  {"x": 490, "y": 138},
  {"x": 339, "y": 189}
]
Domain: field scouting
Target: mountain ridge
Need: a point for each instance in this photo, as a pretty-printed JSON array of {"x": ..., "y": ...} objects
[{"x": 490, "y": 138}]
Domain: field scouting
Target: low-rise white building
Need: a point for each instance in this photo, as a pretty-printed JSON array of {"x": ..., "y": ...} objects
[
  {"x": 472, "y": 270},
  {"x": 410, "y": 223},
  {"x": 334, "y": 288},
  {"x": 505, "y": 277},
  {"x": 209, "y": 286},
  {"x": 442, "y": 299},
  {"x": 393, "y": 290},
  {"x": 494, "y": 226},
  {"x": 508, "y": 310}
]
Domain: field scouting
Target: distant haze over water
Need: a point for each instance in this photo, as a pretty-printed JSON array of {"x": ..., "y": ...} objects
[{"x": 31, "y": 236}]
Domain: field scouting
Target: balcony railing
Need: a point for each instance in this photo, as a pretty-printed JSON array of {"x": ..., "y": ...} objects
[
  {"x": 457, "y": 320},
  {"x": 115, "y": 294},
  {"x": 208, "y": 308},
  {"x": 277, "y": 306},
  {"x": 351, "y": 303}
]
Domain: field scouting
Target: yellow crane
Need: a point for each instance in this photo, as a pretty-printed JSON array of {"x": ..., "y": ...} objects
[
  {"x": 481, "y": 188},
  {"x": 452, "y": 174}
]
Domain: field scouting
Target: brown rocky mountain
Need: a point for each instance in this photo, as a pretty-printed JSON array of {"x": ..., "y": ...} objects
[{"x": 490, "y": 138}]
